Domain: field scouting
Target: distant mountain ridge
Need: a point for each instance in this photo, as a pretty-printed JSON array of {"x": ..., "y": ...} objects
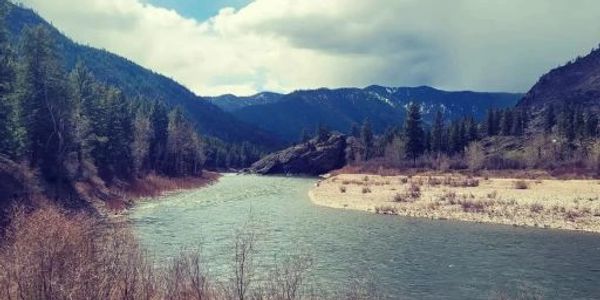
[
  {"x": 287, "y": 115},
  {"x": 135, "y": 80}
]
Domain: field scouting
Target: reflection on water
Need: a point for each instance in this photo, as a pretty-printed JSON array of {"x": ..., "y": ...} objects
[{"x": 407, "y": 258}]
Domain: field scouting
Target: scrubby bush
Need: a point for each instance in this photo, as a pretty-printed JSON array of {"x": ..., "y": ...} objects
[
  {"x": 386, "y": 210},
  {"x": 520, "y": 185},
  {"x": 536, "y": 208},
  {"x": 50, "y": 254}
]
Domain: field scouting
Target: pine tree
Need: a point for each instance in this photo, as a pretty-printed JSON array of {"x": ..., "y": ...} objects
[
  {"x": 454, "y": 143},
  {"x": 549, "y": 119},
  {"x": 566, "y": 122},
  {"x": 517, "y": 125},
  {"x": 304, "y": 136},
  {"x": 591, "y": 125},
  {"x": 366, "y": 136},
  {"x": 438, "y": 132},
  {"x": 507, "y": 122},
  {"x": 579, "y": 124},
  {"x": 85, "y": 101},
  {"x": 11, "y": 131},
  {"x": 490, "y": 123},
  {"x": 158, "y": 143},
  {"x": 322, "y": 133},
  {"x": 427, "y": 141},
  {"x": 47, "y": 110},
  {"x": 413, "y": 131},
  {"x": 355, "y": 131},
  {"x": 472, "y": 130}
]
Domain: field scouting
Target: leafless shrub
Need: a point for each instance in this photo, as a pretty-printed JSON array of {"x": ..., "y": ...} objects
[
  {"x": 475, "y": 206},
  {"x": 342, "y": 189},
  {"x": 386, "y": 210},
  {"x": 286, "y": 280},
  {"x": 366, "y": 190},
  {"x": 403, "y": 180},
  {"x": 520, "y": 185},
  {"x": 434, "y": 181},
  {"x": 536, "y": 208},
  {"x": 573, "y": 214},
  {"x": 49, "y": 254},
  {"x": 450, "y": 197},
  {"x": 492, "y": 195},
  {"x": 366, "y": 178},
  {"x": 414, "y": 191}
]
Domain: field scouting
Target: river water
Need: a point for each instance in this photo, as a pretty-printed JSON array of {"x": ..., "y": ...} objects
[{"x": 404, "y": 258}]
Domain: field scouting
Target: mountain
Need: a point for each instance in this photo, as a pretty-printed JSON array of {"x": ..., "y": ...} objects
[
  {"x": 576, "y": 82},
  {"x": 232, "y": 103},
  {"x": 135, "y": 80},
  {"x": 287, "y": 115}
]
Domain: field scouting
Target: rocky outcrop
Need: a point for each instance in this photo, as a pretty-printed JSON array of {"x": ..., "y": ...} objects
[{"x": 311, "y": 158}]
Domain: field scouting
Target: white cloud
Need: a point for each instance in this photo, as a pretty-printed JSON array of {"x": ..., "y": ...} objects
[{"x": 284, "y": 45}]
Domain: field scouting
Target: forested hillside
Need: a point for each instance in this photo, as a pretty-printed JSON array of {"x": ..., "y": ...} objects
[
  {"x": 339, "y": 109},
  {"x": 65, "y": 135},
  {"x": 133, "y": 80}
]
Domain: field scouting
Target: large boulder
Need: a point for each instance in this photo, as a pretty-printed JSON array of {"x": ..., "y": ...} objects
[{"x": 310, "y": 158}]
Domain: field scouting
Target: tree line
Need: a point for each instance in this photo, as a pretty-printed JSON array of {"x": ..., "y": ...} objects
[
  {"x": 568, "y": 130},
  {"x": 68, "y": 126}
]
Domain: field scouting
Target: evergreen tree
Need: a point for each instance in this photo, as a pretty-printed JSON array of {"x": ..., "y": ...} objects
[
  {"x": 579, "y": 124},
  {"x": 566, "y": 123},
  {"x": 11, "y": 131},
  {"x": 438, "y": 132},
  {"x": 184, "y": 150},
  {"x": 304, "y": 136},
  {"x": 517, "y": 126},
  {"x": 85, "y": 101},
  {"x": 413, "y": 131},
  {"x": 507, "y": 122},
  {"x": 427, "y": 141},
  {"x": 453, "y": 138},
  {"x": 472, "y": 130},
  {"x": 355, "y": 131},
  {"x": 549, "y": 119},
  {"x": 366, "y": 137},
  {"x": 47, "y": 110},
  {"x": 158, "y": 143},
  {"x": 491, "y": 122},
  {"x": 323, "y": 133},
  {"x": 591, "y": 125}
]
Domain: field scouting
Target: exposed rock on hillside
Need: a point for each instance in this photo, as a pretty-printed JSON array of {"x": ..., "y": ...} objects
[{"x": 311, "y": 158}]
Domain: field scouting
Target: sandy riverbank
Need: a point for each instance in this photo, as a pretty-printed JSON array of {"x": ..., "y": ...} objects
[{"x": 548, "y": 203}]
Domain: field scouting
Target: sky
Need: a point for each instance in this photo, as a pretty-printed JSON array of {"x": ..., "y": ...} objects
[{"x": 242, "y": 47}]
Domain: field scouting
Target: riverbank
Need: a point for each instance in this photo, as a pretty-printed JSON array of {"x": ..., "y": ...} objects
[
  {"x": 546, "y": 203},
  {"x": 118, "y": 198}
]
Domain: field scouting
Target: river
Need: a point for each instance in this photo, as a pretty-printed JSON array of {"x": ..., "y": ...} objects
[{"x": 405, "y": 258}]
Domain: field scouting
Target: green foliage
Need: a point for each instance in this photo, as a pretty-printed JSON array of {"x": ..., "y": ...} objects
[
  {"x": 10, "y": 128},
  {"x": 323, "y": 133},
  {"x": 438, "y": 141},
  {"x": 71, "y": 128},
  {"x": 366, "y": 137},
  {"x": 413, "y": 131}
]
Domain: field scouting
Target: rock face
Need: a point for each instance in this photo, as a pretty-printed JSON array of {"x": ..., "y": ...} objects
[{"x": 311, "y": 158}]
